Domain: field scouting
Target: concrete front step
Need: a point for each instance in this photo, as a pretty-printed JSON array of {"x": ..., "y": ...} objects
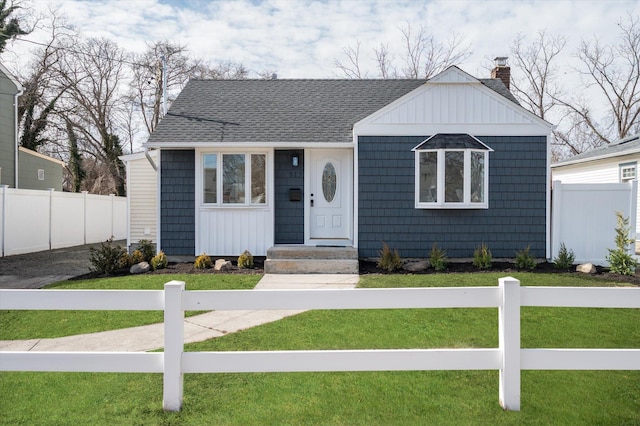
[
  {"x": 311, "y": 266},
  {"x": 305, "y": 252},
  {"x": 311, "y": 260}
]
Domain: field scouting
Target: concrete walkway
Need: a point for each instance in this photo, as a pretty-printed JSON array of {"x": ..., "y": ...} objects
[{"x": 196, "y": 329}]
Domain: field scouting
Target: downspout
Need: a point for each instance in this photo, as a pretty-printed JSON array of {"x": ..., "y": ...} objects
[
  {"x": 149, "y": 159},
  {"x": 15, "y": 131}
]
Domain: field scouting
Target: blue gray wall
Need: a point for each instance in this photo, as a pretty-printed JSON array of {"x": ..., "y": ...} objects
[
  {"x": 177, "y": 202},
  {"x": 515, "y": 219},
  {"x": 289, "y": 215}
]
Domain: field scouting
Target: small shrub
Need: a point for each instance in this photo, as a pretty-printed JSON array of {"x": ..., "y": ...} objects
[
  {"x": 389, "y": 259},
  {"x": 565, "y": 258},
  {"x": 438, "y": 258},
  {"x": 137, "y": 257},
  {"x": 159, "y": 261},
  {"x": 203, "y": 262},
  {"x": 482, "y": 257},
  {"x": 620, "y": 261},
  {"x": 104, "y": 260},
  {"x": 147, "y": 249},
  {"x": 245, "y": 260},
  {"x": 124, "y": 261},
  {"x": 524, "y": 259}
]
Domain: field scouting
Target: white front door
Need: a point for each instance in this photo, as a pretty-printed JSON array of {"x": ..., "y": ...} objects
[{"x": 329, "y": 203}]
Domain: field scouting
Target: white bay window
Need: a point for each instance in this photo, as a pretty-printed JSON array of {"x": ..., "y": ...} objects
[{"x": 451, "y": 172}]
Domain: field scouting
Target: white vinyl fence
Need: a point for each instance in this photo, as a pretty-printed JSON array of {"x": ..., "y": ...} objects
[
  {"x": 32, "y": 220},
  {"x": 584, "y": 218},
  {"x": 508, "y": 358}
]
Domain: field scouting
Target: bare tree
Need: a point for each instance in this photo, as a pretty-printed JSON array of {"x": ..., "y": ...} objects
[
  {"x": 613, "y": 72},
  {"x": 424, "y": 56},
  {"x": 91, "y": 73},
  {"x": 41, "y": 88},
  {"x": 536, "y": 86},
  {"x": 351, "y": 68}
]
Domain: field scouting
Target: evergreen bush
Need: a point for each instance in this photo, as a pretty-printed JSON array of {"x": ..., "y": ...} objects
[
  {"x": 105, "y": 260},
  {"x": 147, "y": 249},
  {"x": 389, "y": 259},
  {"x": 482, "y": 257},
  {"x": 159, "y": 261},
  {"x": 245, "y": 260},
  {"x": 620, "y": 261},
  {"x": 438, "y": 258},
  {"x": 524, "y": 259},
  {"x": 565, "y": 258},
  {"x": 203, "y": 262}
]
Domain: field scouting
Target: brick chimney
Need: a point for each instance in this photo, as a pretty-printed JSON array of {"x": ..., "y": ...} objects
[{"x": 502, "y": 71}]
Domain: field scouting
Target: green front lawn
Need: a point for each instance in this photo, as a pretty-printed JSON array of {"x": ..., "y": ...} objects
[
  {"x": 440, "y": 397},
  {"x": 17, "y": 325}
]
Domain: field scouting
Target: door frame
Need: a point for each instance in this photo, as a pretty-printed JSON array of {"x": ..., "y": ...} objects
[{"x": 309, "y": 155}]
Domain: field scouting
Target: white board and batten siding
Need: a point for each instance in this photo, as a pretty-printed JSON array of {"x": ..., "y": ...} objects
[
  {"x": 142, "y": 198},
  {"x": 453, "y": 102},
  {"x": 230, "y": 231}
]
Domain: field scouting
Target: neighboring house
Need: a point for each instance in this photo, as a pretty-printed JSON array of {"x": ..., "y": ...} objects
[
  {"x": 20, "y": 167},
  {"x": 614, "y": 163},
  {"x": 38, "y": 171},
  {"x": 453, "y": 161},
  {"x": 142, "y": 194},
  {"x": 10, "y": 90}
]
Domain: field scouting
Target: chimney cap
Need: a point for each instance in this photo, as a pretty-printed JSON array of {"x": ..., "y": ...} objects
[{"x": 501, "y": 61}]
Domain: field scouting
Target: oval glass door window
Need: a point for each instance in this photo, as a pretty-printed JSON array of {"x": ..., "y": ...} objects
[{"x": 329, "y": 183}]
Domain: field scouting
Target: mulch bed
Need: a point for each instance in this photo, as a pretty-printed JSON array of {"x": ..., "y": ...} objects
[{"x": 369, "y": 267}]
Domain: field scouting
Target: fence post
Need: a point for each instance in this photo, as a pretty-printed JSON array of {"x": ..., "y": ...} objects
[
  {"x": 84, "y": 195},
  {"x": 3, "y": 215},
  {"x": 509, "y": 336},
  {"x": 173, "y": 346}
]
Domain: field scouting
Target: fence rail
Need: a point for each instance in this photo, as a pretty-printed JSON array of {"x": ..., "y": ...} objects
[
  {"x": 34, "y": 220},
  {"x": 508, "y": 358}
]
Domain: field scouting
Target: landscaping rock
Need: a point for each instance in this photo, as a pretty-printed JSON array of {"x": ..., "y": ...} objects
[
  {"x": 418, "y": 266},
  {"x": 140, "y": 268},
  {"x": 223, "y": 265},
  {"x": 586, "y": 268}
]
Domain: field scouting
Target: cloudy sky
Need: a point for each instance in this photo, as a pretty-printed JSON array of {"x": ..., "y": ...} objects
[{"x": 302, "y": 39}]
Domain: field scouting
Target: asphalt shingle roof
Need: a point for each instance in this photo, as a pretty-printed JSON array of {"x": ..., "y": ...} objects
[
  {"x": 627, "y": 145},
  {"x": 295, "y": 111}
]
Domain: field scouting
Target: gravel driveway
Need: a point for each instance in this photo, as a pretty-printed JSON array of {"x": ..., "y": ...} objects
[{"x": 35, "y": 270}]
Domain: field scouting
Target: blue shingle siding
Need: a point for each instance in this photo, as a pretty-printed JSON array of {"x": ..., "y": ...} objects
[
  {"x": 289, "y": 215},
  {"x": 516, "y": 216},
  {"x": 177, "y": 202}
]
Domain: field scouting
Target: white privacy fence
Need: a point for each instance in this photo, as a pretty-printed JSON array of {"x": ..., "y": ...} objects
[
  {"x": 32, "y": 220},
  {"x": 584, "y": 218},
  {"x": 509, "y": 359}
]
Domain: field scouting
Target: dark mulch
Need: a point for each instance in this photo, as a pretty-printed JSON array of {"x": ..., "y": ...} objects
[{"x": 369, "y": 267}]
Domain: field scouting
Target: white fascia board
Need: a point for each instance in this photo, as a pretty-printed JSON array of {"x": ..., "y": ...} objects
[
  {"x": 42, "y": 156},
  {"x": 596, "y": 158},
  {"x": 261, "y": 145},
  {"x": 10, "y": 76},
  {"x": 136, "y": 156},
  {"x": 423, "y": 129}
]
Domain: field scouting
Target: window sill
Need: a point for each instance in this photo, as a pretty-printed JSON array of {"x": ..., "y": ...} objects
[{"x": 453, "y": 206}]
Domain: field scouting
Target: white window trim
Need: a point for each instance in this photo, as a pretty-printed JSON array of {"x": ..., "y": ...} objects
[
  {"x": 625, "y": 166},
  {"x": 219, "y": 184},
  {"x": 441, "y": 204}
]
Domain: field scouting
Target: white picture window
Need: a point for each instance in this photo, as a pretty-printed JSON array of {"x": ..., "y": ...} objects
[
  {"x": 451, "y": 172},
  {"x": 234, "y": 179}
]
